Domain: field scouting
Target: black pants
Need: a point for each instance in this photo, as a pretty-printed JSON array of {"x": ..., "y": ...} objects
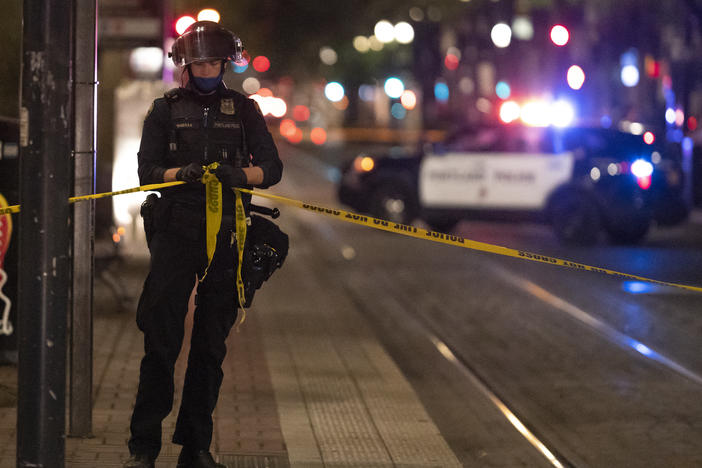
[{"x": 175, "y": 262}]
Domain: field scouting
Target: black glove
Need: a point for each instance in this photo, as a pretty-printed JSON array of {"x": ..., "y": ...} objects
[
  {"x": 230, "y": 176},
  {"x": 191, "y": 173}
]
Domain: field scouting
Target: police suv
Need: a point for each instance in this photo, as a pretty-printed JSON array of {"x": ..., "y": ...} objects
[{"x": 584, "y": 181}]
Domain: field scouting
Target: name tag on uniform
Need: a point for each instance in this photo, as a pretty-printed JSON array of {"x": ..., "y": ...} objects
[
  {"x": 184, "y": 125},
  {"x": 227, "y": 106},
  {"x": 226, "y": 125}
]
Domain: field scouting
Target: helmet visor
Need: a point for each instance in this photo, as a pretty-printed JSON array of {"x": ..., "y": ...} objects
[{"x": 202, "y": 42}]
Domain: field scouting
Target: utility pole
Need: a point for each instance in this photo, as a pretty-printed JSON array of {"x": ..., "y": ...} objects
[
  {"x": 45, "y": 174},
  {"x": 80, "y": 351}
]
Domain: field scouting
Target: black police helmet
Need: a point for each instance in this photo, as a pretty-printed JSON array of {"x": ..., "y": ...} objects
[{"x": 206, "y": 40}]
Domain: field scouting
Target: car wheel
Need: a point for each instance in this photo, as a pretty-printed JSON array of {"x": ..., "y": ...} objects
[
  {"x": 629, "y": 231},
  {"x": 392, "y": 201},
  {"x": 575, "y": 217}
]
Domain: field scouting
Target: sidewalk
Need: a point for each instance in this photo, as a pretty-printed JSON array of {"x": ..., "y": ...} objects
[{"x": 304, "y": 386}]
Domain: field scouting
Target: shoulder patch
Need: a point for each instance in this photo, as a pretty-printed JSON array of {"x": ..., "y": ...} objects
[
  {"x": 227, "y": 106},
  {"x": 172, "y": 95}
]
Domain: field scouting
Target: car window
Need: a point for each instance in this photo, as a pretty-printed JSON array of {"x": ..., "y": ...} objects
[{"x": 526, "y": 140}]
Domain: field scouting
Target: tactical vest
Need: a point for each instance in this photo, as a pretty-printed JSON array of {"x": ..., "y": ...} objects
[{"x": 205, "y": 134}]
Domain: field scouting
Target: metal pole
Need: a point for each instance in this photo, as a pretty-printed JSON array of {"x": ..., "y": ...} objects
[
  {"x": 45, "y": 156},
  {"x": 81, "y": 330}
]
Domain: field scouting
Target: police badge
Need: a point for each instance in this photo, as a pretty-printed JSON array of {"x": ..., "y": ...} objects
[{"x": 227, "y": 106}]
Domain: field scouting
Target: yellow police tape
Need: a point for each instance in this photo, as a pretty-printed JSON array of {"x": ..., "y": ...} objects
[
  {"x": 419, "y": 233},
  {"x": 406, "y": 230}
]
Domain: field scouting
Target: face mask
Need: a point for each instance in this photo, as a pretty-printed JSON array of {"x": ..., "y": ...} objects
[{"x": 207, "y": 85}]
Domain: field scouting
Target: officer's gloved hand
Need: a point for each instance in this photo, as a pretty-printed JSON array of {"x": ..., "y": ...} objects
[
  {"x": 230, "y": 176},
  {"x": 191, "y": 173}
]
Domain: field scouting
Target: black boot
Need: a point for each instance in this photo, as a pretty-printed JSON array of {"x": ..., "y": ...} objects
[
  {"x": 197, "y": 459},
  {"x": 139, "y": 461}
]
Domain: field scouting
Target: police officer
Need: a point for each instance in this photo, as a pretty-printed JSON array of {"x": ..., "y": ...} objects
[{"x": 190, "y": 127}]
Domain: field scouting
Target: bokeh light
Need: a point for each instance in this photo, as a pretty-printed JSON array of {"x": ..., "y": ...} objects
[
  {"x": 501, "y": 35},
  {"x": 398, "y": 111},
  {"x": 261, "y": 64},
  {"x": 630, "y": 75},
  {"x": 451, "y": 62},
  {"x": 441, "y": 91},
  {"x": 301, "y": 113},
  {"x": 575, "y": 77},
  {"x": 649, "y": 138},
  {"x": 318, "y": 136},
  {"x": 394, "y": 87},
  {"x": 408, "y": 99},
  {"x": 384, "y": 31},
  {"x": 296, "y": 136},
  {"x": 375, "y": 44},
  {"x": 334, "y": 91},
  {"x": 328, "y": 56},
  {"x": 404, "y": 32},
  {"x": 361, "y": 44},
  {"x": 523, "y": 28},
  {"x": 251, "y": 85},
  {"x": 366, "y": 92},
  {"x": 509, "y": 111},
  {"x": 208, "y": 14},
  {"x": 183, "y": 23},
  {"x": 503, "y": 90},
  {"x": 560, "y": 35},
  {"x": 287, "y": 127}
]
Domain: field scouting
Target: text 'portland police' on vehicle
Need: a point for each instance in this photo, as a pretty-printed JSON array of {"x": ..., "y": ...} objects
[{"x": 584, "y": 181}]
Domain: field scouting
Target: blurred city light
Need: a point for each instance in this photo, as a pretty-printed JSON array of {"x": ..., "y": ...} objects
[
  {"x": 575, "y": 77},
  {"x": 334, "y": 91},
  {"x": 318, "y": 136},
  {"x": 251, "y": 85},
  {"x": 605, "y": 121},
  {"x": 265, "y": 92},
  {"x": 408, "y": 99},
  {"x": 394, "y": 87},
  {"x": 536, "y": 114},
  {"x": 363, "y": 164},
  {"x": 562, "y": 113},
  {"x": 503, "y": 90},
  {"x": 595, "y": 174},
  {"x": 630, "y": 75},
  {"x": 670, "y": 115},
  {"x": 296, "y": 136},
  {"x": 341, "y": 104},
  {"x": 398, "y": 111},
  {"x": 261, "y": 63},
  {"x": 240, "y": 68},
  {"x": 146, "y": 60},
  {"x": 679, "y": 117},
  {"x": 361, "y": 44},
  {"x": 641, "y": 168},
  {"x": 451, "y": 62},
  {"x": 183, "y": 23},
  {"x": 560, "y": 35},
  {"x": 366, "y": 92},
  {"x": 270, "y": 105},
  {"x": 375, "y": 44},
  {"x": 649, "y": 138},
  {"x": 208, "y": 14},
  {"x": 301, "y": 113},
  {"x": 404, "y": 32},
  {"x": 501, "y": 35},
  {"x": 483, "y": 105},
  {"x": 522, "y": 28},
  {"x": 384, "y": 31},
  {"x": 509, "y": 111},
  {"x": 328, "y": 56},
  {"x": 441, "y": 91},
  {"x": 287, "y": 127},
  {"x": 416, "y": 13},
  {"x": 466, "y": 85},
  {"x": 692, "y": 124}
]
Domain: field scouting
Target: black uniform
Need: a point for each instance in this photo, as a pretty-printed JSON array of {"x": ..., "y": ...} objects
[{"x": 181, "y": 128}]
